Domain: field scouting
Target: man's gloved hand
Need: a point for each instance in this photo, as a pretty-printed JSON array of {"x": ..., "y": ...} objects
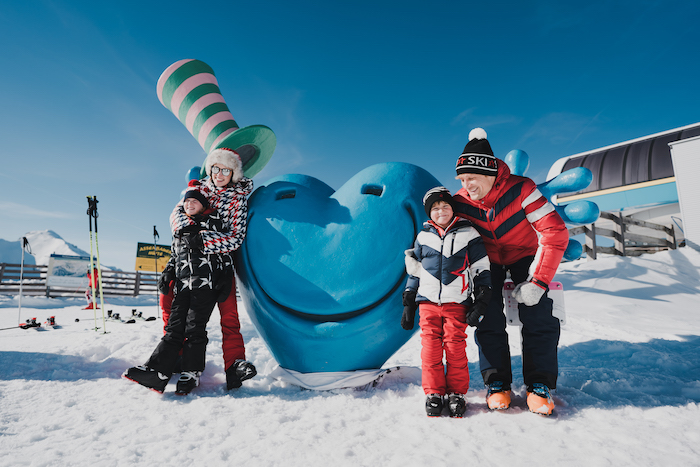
[
  {"x": 165, "y": 279},
  {"x": 409, "y": 309},
  {"x": 482, "y": 297},
  {"x": 528, "y": 293}
]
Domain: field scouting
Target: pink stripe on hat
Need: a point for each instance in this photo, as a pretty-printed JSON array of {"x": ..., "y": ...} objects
[
  {"x": 199, "y": 105},
  {"x": 211, "y": 123},
  {"x": 188, "y": 85},
  {"x": 167, "y": 74}
]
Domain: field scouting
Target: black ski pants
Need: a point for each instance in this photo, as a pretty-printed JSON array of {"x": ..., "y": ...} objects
[
  {"x": 186, "y": 331},
  {"x": 540, "y": 333}
]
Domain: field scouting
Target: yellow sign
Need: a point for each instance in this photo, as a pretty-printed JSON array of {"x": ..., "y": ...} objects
[{"x": 146, "y": 257}]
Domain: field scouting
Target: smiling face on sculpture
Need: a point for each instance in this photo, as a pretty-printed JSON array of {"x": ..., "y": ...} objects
[{"x": 322, "y": 272}]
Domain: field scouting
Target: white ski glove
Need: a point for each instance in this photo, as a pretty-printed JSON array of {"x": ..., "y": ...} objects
[
  {"x": 528, "y": 294},
  {"x": 413, "y": 266}
]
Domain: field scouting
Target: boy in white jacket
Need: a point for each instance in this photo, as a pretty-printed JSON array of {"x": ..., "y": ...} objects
[{"x": 450, "y": 280}]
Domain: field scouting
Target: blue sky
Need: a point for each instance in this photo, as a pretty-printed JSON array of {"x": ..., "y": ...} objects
[{"x": 343, "y": 85}]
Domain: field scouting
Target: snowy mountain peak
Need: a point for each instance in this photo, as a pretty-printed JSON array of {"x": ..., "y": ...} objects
[{"x": 42, "y": 244}]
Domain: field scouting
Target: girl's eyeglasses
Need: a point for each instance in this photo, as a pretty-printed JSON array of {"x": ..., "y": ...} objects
[{"x": 215, "y": 170}]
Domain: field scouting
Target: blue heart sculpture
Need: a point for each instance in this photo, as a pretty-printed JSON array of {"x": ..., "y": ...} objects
[{"x": 321, "y": 272}]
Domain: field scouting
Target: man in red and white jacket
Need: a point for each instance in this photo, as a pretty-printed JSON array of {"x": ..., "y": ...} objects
[{"x": 525, "y": 236}]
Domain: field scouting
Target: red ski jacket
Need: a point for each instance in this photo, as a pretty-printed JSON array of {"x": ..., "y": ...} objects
[{"x": 515, "y": 221}]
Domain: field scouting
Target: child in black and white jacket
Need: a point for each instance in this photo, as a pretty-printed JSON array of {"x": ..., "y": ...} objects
[
  {"x": 198, "y": 281},
  {"x": 450, "y": 281}
]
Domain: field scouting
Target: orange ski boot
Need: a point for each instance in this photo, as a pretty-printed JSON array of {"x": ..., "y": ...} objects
[
  {"x": 539, "y": 400},
  {"x": 498, "y": 397}
]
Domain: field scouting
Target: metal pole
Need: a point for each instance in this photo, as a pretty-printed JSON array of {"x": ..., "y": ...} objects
[
  {"x": 156, "y": 255},
  {"x": 99, "y": 266},
  {"x": 23, "y": 243},
  {"x": 91, "y": 274}
]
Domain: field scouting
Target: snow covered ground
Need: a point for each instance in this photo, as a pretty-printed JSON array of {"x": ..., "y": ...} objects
[{"x": 629, "y": 390}]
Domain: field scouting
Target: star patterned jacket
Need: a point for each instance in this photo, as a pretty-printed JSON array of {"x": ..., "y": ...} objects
[
  {"x": 193, "y": 267},
  {"x": 445, "y": 266}
]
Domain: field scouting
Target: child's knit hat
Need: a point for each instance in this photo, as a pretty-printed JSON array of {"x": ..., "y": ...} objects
[
  {"x": 196, "y": 190},
  {"x": 439, "y": 193}
]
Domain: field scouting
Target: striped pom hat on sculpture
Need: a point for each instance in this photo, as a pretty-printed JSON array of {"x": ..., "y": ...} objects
[
  {"x": 477, "y": 157},
  {"x": 189, "y": 89}
]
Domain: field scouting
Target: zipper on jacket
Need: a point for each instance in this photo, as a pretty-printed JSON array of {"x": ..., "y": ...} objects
[{"x": 442, "y": 249}]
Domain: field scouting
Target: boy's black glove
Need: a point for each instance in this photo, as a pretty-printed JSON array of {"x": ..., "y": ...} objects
[
  {"x": 166, "y": 277},
  {"x": 192, "y": 240},
  {"x": 409, "y": 309},
  {"x": 482, "y": 297}
]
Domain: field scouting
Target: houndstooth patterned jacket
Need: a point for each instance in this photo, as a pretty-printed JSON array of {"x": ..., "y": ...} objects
[{"x": 231, "y": 203}]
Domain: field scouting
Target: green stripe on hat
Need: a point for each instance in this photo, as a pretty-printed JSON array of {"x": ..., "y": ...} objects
[
  {"x": 207, "y": 113},
  {"x": 193, "y": 96},
  {"x": 216, "y": 132},
  {"x": 179, "y": 76}
]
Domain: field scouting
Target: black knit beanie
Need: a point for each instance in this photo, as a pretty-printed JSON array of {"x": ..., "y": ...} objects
[
  {"x": 198, "y": 195},
  {"x": 439, "y": 193},
  {"x": 477, "y": 157}
]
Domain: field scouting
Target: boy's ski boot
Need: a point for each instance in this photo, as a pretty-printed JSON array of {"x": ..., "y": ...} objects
[
  {"x": 498, "y": 396},
  {"x": 240, "y": 371},
  {"x": 457, "y": 405},
  {"x": 433, "y": 405},
  {"x": 539, "y": 400},
  {"x": 187, "y": 382},
  {"x": 147, "y": 377}
]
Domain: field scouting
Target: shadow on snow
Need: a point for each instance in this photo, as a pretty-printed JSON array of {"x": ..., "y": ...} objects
[{"x": 599, "y": 373}]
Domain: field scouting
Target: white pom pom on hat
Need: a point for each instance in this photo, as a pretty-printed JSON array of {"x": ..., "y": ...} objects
[
  {"x": 227, "y": 158},
  {"x": 477, "y": 133}
]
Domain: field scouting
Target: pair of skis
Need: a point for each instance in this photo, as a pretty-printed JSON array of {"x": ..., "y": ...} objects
[
  {"x": 92, "y": 214},
  {"x": 132, "y": 319},
  {"x": 32, "y": 323},
  {"x": 117, "y": 317}
]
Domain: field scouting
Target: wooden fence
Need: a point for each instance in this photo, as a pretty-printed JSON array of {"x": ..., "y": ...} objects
[
  {"x": 625, "y": 233},
  {"x": 631, "y": 237},
  {"x": 34, "y": 282}
]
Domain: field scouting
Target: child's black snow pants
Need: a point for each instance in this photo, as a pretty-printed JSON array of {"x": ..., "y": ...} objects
[{"x": 186, "y": 330}]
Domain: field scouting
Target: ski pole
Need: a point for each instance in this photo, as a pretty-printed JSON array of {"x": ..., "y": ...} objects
[
  {"x": 99, "y": 267},
  {"x": 91, "y": 274},
  {"x": 156, "y": 255},
  {"x": 24, "y": 243}
]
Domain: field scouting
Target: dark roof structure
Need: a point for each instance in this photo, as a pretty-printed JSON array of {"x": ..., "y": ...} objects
[{"x": 637, "y": 161}]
